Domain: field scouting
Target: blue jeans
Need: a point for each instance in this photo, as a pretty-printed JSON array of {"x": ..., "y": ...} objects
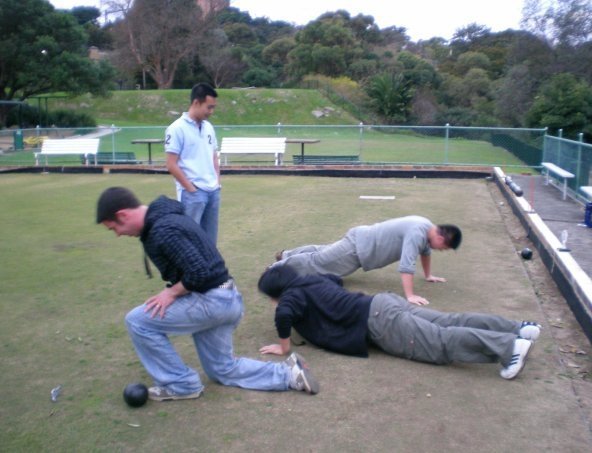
[
  {"x": 211, "y": 319},
  {"x": 203, "y": 207}
]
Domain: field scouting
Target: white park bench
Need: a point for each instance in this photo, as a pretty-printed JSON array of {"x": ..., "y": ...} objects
[
  {"x": 587, "y": 191},
  {"x": 69, "y": 147},
  {"x": 253, "y": 145},
  {"x": 558, "y": 171}
]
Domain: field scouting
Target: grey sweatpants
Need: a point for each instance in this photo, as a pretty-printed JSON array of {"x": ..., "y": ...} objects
[
  {"x": 339, "y": 258},
  {"x": 412, "y": 332}
]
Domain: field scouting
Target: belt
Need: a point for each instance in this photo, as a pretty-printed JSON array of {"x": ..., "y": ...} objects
[{"x": 228, "y": 284}]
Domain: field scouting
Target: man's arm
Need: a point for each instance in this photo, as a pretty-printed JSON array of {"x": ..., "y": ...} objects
[
  {"x": 174, "y": 169},
  {"x": 217, "y": 165},
  {"x": 407, "y": 280},
  {"x": 278, "y": 349},
  {"x": 426, "y": 264}
]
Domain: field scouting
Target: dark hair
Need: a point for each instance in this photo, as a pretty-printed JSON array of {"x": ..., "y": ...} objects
[
  {"x": 200, "y": 91},
  {"x": 276, "y": 279},
  {"x": 115, "y": 199},
  {"x": 452, "y": 235}
]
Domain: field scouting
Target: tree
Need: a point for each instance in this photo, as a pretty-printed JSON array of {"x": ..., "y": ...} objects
[
  {"x": 562, "y": 22},
  {"x": 514, "y": 96},
  {"x": 222, "y": 63},
  {"x": 159, "y": 34},
  {"x": 88, "y": 17},
  {"x": 563, "y": 103},
  {"x": 391, "y": 96},
  {"x": 44, "y": 50}
]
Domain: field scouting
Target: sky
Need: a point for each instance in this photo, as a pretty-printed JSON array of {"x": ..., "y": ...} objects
[{"x": 423, "y": 19}]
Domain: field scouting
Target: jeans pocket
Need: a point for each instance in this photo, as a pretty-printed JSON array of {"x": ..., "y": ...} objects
[{"x": 199, "y": 311}]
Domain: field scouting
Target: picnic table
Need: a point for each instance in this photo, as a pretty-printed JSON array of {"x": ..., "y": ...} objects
[
  {"x": 302, "y": 141},
  {"x": 149, "y": 142}
]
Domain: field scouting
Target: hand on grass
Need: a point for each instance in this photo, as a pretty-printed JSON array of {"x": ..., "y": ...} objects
[{"x": 271, "y": 349}]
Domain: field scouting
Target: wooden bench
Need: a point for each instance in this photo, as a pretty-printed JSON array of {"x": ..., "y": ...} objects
[
  {"x": 556, "y": 170},
  {"x": 118, "y": 157},
  {"x": 69, "y": 147},
  {"x": 253, "y": 145},
  {"x": 316, "y": 159}
]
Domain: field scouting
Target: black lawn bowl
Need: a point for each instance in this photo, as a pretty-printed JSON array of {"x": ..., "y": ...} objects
[
  {"x": 526, "y": 253},
  {"x": 135, "y": 395}
]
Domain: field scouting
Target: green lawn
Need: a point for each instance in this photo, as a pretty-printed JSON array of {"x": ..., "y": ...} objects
[{"x": 67, "y": 284}]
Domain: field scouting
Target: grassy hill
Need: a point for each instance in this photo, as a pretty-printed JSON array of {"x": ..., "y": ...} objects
[{"x": 235, "y": 107}]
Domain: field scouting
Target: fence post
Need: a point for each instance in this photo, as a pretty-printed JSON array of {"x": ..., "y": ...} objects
[
  {"x": 579, "y": 161},
  {"x": 361, "y": 138},
  {"x": 279, "y": 128},
  {"x": 113, "y": 142},
  {"x": 447, "y": 136}
]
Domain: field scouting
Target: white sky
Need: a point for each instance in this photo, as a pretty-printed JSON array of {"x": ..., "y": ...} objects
[{"x": 423, "y": 19}]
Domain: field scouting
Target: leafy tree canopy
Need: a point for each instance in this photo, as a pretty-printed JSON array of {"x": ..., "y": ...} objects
[
  {"x": 44, "y": 50},
  {"x": 563, "y": 103}
]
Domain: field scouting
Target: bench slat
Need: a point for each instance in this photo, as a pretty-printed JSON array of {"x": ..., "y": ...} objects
[
  {"x": 587, "y": 191},
  {"x": 555, "y": 169},
  {"x": 324, "y": 159}
]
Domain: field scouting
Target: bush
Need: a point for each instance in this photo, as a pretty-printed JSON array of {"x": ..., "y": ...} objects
[
  {"x": 68, "y": 118},
  {"x": 31, "y": 116}
]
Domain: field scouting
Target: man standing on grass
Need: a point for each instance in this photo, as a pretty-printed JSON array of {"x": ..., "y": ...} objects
[
  {"x": 375, "y": 246},
  {"x": 200, "y": 299},
  {"x": 191, "y": 157}
]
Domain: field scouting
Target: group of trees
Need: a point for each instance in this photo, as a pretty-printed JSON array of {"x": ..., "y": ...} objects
[{"x": 540, "y": 75}]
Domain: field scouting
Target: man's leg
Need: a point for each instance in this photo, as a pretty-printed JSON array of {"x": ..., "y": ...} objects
[
  {"x": 210, "y": 215},
  {"x": 216, "y": 353},
  {"x": 475, "y": 320},
  {"x": 339, "y": 258},
  {"x": 194, "y": 204},
  {"x": 150, "y": 339},
  {"x": 397, "y": 330}
]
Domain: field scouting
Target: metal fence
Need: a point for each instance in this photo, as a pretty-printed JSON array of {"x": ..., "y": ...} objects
[
  {"x": 513, "y": 149},
  {"x": 572, "y": 156}
]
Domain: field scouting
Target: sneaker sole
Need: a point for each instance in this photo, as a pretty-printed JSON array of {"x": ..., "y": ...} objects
[
  {"x": 191, "y": 396},
  {"x": 523, "y": 362},
  {"x": 310, "y": 383}
]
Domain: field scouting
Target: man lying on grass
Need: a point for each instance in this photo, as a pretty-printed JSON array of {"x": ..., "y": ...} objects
[{"x": 328, "y": 315}]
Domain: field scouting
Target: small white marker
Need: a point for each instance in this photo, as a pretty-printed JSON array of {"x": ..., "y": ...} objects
[{"x": 377, "y": 197}]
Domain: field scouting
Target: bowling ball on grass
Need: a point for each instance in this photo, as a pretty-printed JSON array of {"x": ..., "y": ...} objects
[
  {"x": 135, "y": 394},
  {"x": 526, "y": 253}
]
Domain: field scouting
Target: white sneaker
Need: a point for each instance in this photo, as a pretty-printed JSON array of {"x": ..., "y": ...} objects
[
  {"x": 522, "y": 347},
  {"x": 163, "y": 394},
  {"x": 530, "y": 330},
  {"x": 302, "y": 379}
]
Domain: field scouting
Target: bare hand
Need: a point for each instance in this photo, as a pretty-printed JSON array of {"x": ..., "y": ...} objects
[
  {"x": 417, "y": 300},
  {"x": 433, "y": 278},
  {"x": 158, "y": 304},
  {"x": 271, "y": 349}
]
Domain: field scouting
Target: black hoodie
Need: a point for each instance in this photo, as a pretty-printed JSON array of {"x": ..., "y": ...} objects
[
  {"x": 180, "y": 249},
  {"x": 319, "y": 309}
]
